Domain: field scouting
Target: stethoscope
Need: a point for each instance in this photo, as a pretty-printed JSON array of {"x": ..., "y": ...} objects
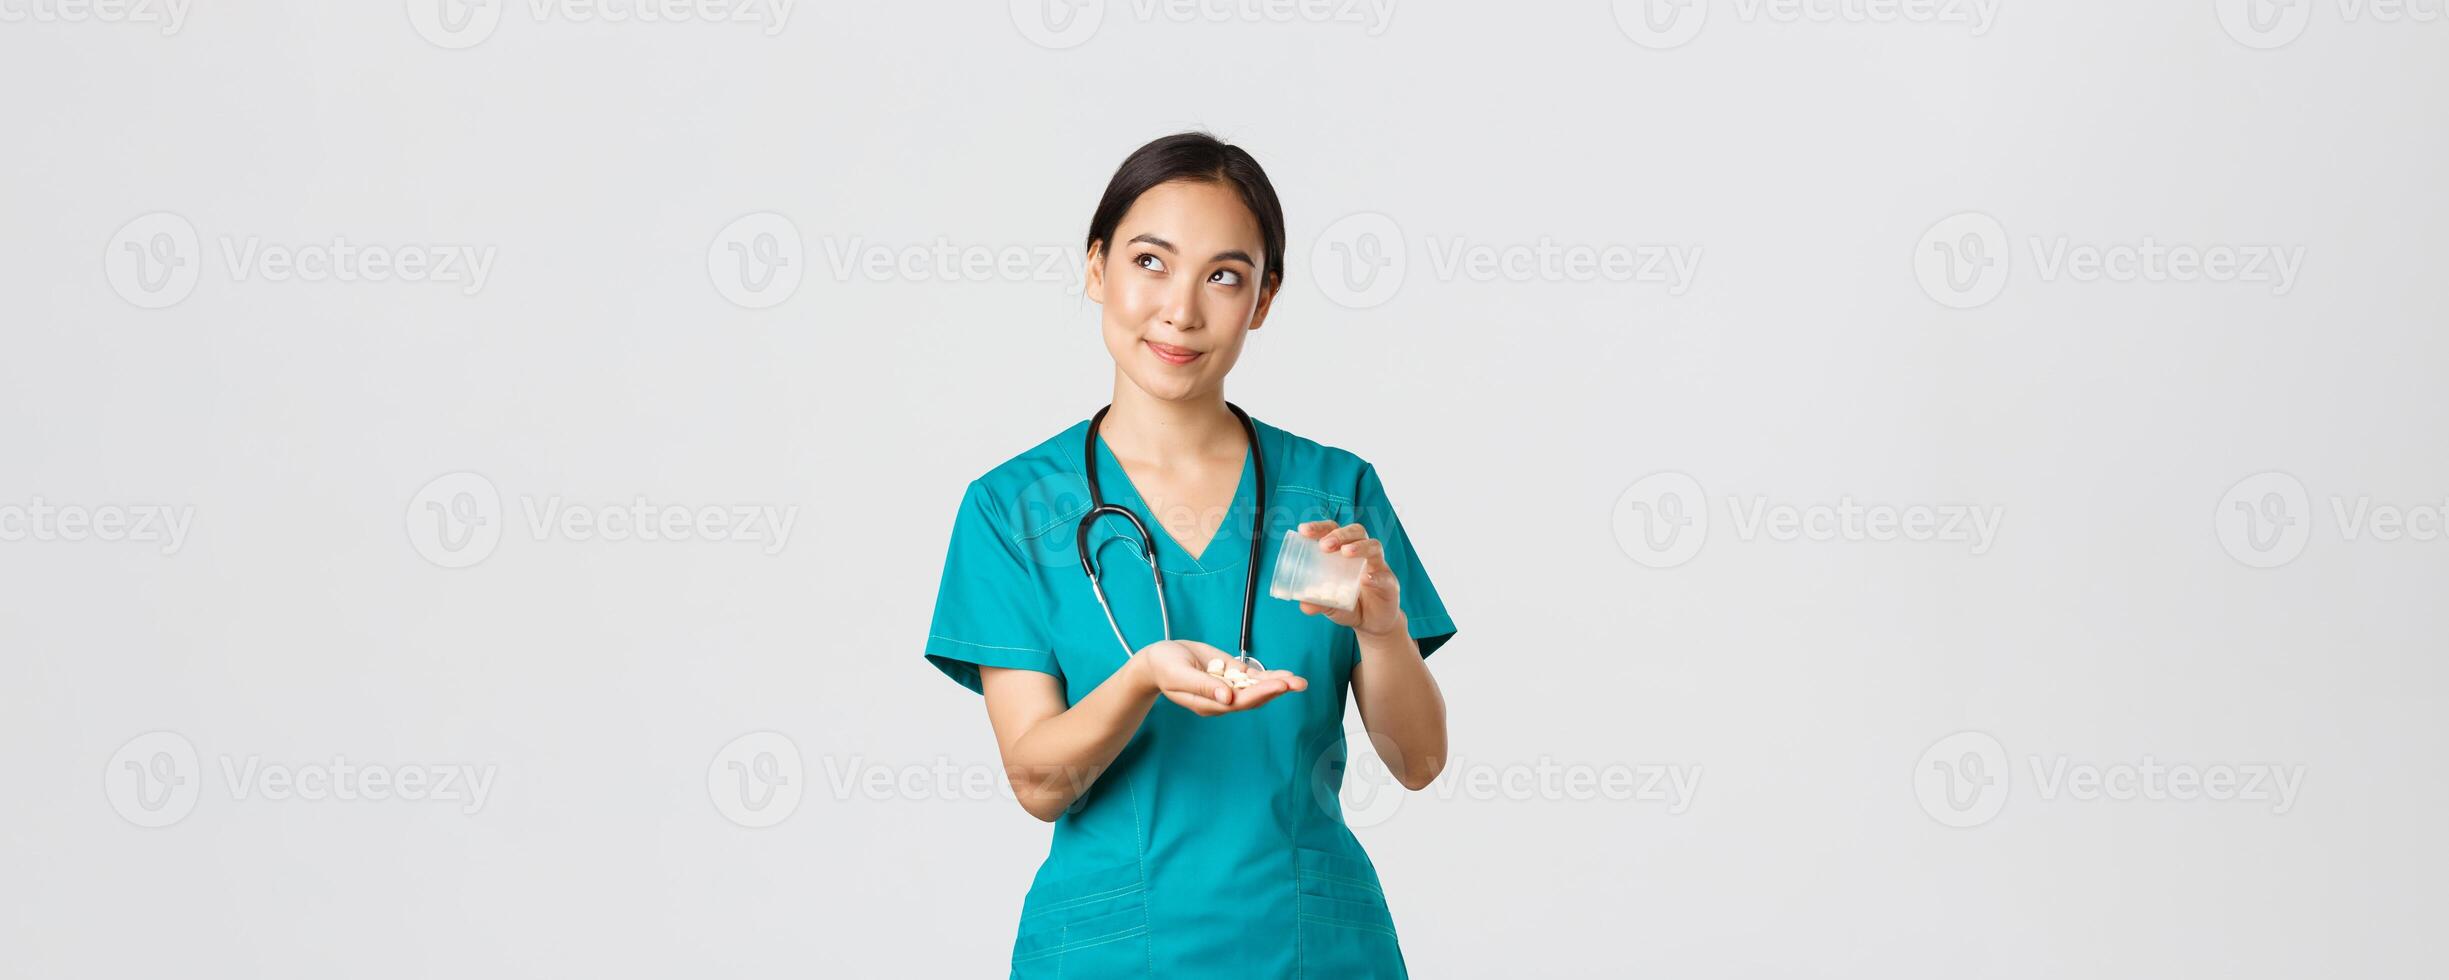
[{"x": 1098, "y": 508}]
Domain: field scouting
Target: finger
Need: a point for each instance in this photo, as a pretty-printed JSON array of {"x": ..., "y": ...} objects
[
  {"x": 1311, "y": 529},
  {"x": 1369, "y": 548},
  {"x": 1340, "y": 536},
  {"x": 1292, "y": 681},
  {"x": 1378, "y": 572},
  {"x": 1258, "y": 694},
  {"x": 1198, "y": 705},
  {"x": 1330, "y": 612},
  {"x": 1197, "y": 685}
]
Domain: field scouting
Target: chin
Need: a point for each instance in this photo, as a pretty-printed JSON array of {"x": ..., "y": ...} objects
[
  {"x": 1160, "y": 386},
  {"x": 1168, "y": 389}
]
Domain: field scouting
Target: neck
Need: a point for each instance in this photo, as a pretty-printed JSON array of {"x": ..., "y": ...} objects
[{"x": 1144, "y": 426}]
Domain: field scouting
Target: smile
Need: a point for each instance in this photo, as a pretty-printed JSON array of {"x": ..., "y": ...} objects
[{"x": 1172, "y": 354}]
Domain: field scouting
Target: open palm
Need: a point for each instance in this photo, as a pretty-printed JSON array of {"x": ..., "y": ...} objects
[{"x": 1179, "y": 670}]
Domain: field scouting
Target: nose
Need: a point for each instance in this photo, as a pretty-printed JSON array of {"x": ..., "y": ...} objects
[{"x": 1181, "y": 308}]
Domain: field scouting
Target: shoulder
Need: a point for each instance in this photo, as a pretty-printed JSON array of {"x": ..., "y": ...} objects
[
  {"x": 1038, "y": 488},
  {"x": 1299, "y": 465}
]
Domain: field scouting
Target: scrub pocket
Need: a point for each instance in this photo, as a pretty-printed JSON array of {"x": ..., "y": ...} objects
[
  {"x": 1345, "y": 928},
  {"x": 1093, "y": 924}
]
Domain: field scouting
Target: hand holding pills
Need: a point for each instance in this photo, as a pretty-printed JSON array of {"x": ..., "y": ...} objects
[{"x": 1181, "y": 671}]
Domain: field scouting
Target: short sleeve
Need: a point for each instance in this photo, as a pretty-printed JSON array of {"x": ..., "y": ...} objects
[
  {"x": 1431, "y": 625},
  {"x": 987, "y": 612}
]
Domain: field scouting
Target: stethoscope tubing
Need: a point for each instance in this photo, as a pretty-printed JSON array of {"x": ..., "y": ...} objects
[{"x": 1099, "y": 509}]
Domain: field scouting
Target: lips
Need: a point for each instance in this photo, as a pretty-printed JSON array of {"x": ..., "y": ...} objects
[{"x": 1171, "y": 354}]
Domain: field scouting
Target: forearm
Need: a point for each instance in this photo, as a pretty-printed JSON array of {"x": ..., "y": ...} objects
[
  {"x": 1401, "y": 706},
  {"x": 1055, "y": 762}
]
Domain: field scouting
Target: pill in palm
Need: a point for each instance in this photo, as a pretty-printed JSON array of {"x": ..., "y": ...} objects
[{"x": 1231, "y": 673}]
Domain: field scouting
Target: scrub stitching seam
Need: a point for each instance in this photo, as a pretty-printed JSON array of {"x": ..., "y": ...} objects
[
  {"x": 1139, "y": 846},
  {"x": 1343, "y": 924},
  {"x": 1300, "y": 957},
  {"x": 983, "y": 646},
  {"x": 1315, "y": 492},
  {"x": 1051, "y": 525},
  {"x": 1341, "y": 880},
  {"x": 1127, "y": 932},
  {"x": 1083, "y": 900}
]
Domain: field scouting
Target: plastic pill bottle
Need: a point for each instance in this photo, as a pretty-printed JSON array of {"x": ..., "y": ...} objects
[{"x": 1306, "y": 573}]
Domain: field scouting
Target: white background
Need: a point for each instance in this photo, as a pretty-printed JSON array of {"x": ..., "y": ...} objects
[{"x": 2125, "y": 610}]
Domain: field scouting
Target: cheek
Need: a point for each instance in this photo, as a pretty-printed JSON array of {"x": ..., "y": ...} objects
[
  {"x": 1131, "y": 297},
  {"x": 1232, "y": 307}
]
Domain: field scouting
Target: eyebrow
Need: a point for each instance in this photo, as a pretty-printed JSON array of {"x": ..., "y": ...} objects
[{"x": 1231, "y": 253}]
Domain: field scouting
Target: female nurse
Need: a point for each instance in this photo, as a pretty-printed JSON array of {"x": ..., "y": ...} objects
[{"x": 1197, "y": 827}]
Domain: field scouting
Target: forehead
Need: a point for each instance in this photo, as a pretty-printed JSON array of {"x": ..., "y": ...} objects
[{"x": 1197, "y": 216}]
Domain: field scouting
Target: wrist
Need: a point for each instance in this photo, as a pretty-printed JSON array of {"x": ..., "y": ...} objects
[
  {"x": 1140, "y": 673},
  {"x": 1396, "y": 626}
]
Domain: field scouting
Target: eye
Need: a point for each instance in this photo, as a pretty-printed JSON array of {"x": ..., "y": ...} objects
[
  {"x": 1229, "y": 277},
  {"x": 1149, "y": 261}
]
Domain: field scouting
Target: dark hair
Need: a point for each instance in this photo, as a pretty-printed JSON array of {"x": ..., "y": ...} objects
[{"x": 1200, "y": 157}]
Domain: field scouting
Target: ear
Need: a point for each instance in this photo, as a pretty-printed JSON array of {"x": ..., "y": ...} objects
[
  {"x": 1095, "y": 286},
  {"x": 1267, "y": 300}
]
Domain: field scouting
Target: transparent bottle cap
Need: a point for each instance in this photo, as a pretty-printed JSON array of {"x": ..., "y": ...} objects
[{"x": 1304, "y": 573}]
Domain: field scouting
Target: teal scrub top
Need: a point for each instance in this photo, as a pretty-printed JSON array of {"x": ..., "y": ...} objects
[{"x": 1212, "y": 847}]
